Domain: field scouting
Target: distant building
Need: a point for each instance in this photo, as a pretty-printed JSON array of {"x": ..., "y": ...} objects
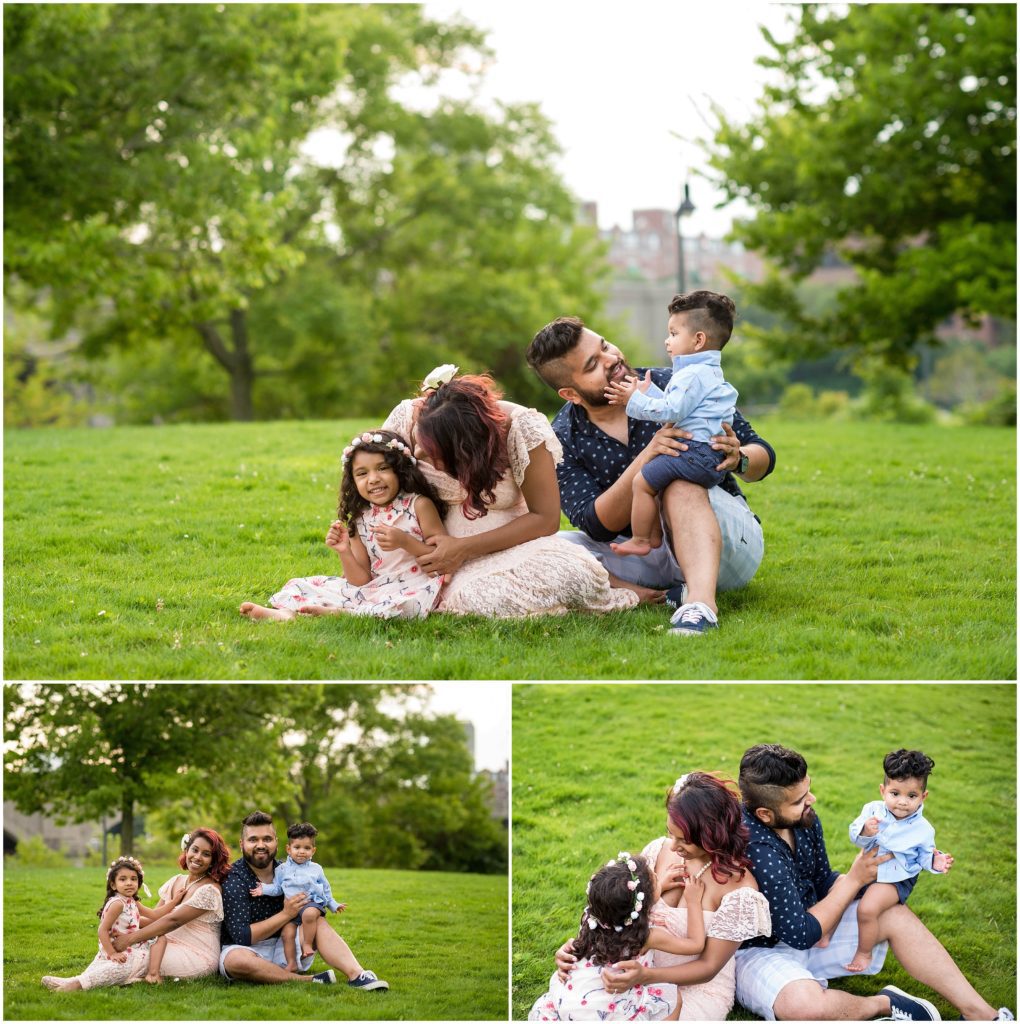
[{"x": 75, "y": 840}]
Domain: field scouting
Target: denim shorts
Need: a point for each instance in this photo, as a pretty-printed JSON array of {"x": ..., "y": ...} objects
[{"x": 697, "y": 465}]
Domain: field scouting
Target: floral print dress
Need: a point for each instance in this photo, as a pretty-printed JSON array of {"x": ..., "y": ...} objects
[
  {"x": 398, "y": 588},
  {"x": 103, "y": 971}
]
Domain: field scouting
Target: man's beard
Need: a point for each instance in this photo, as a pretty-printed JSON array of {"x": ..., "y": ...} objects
[
  {"x": 597, "y": 399},
  {"x": 254, "y": 859},
  {"x": 806, "y": 820}
]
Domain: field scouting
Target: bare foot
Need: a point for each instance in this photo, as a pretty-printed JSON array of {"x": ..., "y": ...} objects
[
  {"x": 153, "y": 979},
  {"x": 646, "y": 595},
  {"x": 61, "y": 984},
  {"x": 822, "y": 942},
  {"x": 292, "y": 967},
  {"x": 256, "y": 611},
  {"x": 306, "y": 951},
  {"x": 318, "y": 609},
  {"x": 634, "y": 546},
  {"x": 860, "y": 962}
]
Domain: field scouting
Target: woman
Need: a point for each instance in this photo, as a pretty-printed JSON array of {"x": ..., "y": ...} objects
[
  {"x": 494, "y": 463},
  {"x": 708, "y": 840},
  {"x": 192, "y": 929}
]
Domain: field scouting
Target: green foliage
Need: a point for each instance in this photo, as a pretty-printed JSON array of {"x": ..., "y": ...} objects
[
  {"x": 175, "y": 526},
  {"x": 890, "y": 139},
  {"x": 890, "y": 394},
  {"x": 591, "y": 765},
  {"x": 156, "y": 170},
  {"x": 1000, "y": 411},
  {"x": 407, "y": 926},
  {"x": 34, "y": 853}
]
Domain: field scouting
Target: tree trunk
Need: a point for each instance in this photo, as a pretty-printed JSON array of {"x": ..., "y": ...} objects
[
  {"x": 127, "y": 827},
  {"x": 236, "y": 361}
]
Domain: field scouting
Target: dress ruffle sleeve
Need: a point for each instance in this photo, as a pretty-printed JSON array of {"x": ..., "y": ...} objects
[
  {"x": 651, "y": 851},
  {"x": 165, "y": 891},
  {"x": 743, "y": 914},
  {"x": 529, "y": 429},
  {"x": 207, "y": 897}
]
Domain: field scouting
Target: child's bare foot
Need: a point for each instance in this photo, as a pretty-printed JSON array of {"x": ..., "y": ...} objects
[
  {"x": 256, "y": 611},
  {"x": 318, "y": 609},
  {"x": 153, "y": 979},
  {"x": 306, "y": 950},
  {"x": 634, "y": 546},
  {"x": 860, "y": 962},
  {"x": 61, "y": 984}
]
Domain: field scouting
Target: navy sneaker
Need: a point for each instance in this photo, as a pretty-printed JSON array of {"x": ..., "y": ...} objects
[
  {"x": 324, "y": 978},
  {"x": 907, "y": 1007},
  {"x": 693, "y": 619},
  {"x": 368, "y": 982},
  {"x": 676, "y": 596}
]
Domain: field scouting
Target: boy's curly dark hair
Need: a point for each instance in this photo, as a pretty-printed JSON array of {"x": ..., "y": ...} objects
[
  {"x": 410, "y": 478},
  {"x": 121, "y": 862},
  {"x": 303, "y": 830},
  {"x": 610, "y": 902},
  {"x": 908, "y": 764}
]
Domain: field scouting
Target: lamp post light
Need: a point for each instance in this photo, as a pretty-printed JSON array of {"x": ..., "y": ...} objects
[{"x": 686, "y": 207}]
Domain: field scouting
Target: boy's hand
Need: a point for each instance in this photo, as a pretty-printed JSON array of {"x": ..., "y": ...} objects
[
  {"x": 942, "y": 861},
  {"x": 870, "y": 828},
  {"x": 390, "y": 538},
  {"x": 338, "y": 538},
  {"x": 341, "y": 907},
  {"x": 618, "y": 392},
  {"x": 257, "y": 891},
  {"x": 694, "y": 891}
]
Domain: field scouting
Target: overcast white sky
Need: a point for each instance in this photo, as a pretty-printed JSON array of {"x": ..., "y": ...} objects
[
  {"x": 620, "y": 81},
  {"x": 487, "y": 706}
]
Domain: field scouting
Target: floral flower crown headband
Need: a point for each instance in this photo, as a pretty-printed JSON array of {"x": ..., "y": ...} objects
[
  {"x": 632, "y": 885},
  {"x": 137, "y": 865},
  {"x": 369, "y": 438}
]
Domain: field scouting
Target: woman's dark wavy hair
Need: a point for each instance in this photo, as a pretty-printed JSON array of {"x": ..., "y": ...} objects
[
  {"x": 219, "y": 866},
  {"x": 610, "y": 902},
  {"x": 350, "y": 504},
  {"x": 120, "y": 862},
  {"x": 708, "y": 813},
  {"x": 462, "y": 426}
]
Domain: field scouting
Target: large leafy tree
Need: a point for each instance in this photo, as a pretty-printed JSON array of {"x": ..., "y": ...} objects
[
  {"x": 890, "y": 139},
  {"x": 154, "y": 168},
  {"x": 82, "y": 750}
]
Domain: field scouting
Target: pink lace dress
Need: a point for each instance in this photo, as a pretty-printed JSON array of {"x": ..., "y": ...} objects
[
  {"x": 398, "y": 588},
  {"x": 193, "y": 950},
  {"x": 103, "y": 971},
  {"x": 742, "y": 914},
  {"x": 545, "y": 576}
]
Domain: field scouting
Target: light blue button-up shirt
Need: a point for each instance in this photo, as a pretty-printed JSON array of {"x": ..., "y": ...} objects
[
  {"x": 910, "y": 840},
  {"x": 291, "y": 877},
  {"x": 697, "y": 397}
]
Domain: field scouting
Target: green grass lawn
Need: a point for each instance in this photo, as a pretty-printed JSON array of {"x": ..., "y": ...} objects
[
  {"x": 410, "y": 927},
  {"x": 890, "y": 554},
  {"x": 592, "y": 763}
]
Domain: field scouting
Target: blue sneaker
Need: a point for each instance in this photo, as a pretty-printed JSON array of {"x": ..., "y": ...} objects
[
  {"x": 676, "y": 596},
  {"x": 693, "y": 619},
  {"x": 906, "y": 1007},
  {"x": 368, "y": 982},
  {"x": 324, "y": 978}
]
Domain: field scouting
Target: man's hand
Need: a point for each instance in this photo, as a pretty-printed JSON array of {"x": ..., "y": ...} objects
[
  {"x": 870, "y": 828},
  {"x": 565, "y": 960},
  {"x": 622, "y": 976},
  {"x": 390, "y": 538},
  {"x": 338, "y": 538},
  {"x": 667, "y": 440},
  {"x": 447, "y": 556},
  {"x": 292, "y": 904},
  {"x": 864, "y": 869},
  {"x": 942, "y": 861},
  {"x": 728, "y": 445}
]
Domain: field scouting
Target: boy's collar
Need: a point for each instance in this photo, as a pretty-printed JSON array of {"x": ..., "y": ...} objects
[{"x": 713, "y": 357}]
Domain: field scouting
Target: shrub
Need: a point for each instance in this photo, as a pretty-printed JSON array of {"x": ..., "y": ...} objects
[
  {"x": 34, "y": 853},
  {"x": 798, "y": 402},
  {"x": 833, "y": 404},
  {"x": 999, "y": 412}
]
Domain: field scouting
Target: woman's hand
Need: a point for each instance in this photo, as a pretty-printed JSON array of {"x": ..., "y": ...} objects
[
  {"x": 338, "y": 538},
  {"x": 389, "y": 538},
  {"x": 622, "y": 976},
  {"x": 120, "y": 944},
  {"x": 565, "y": 960},
  {"x": 447, "y": 556}
]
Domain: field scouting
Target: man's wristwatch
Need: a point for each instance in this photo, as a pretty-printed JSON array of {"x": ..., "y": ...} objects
[{"x": 743, "y": 464}]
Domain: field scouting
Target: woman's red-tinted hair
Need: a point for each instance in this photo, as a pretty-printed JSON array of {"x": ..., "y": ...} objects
[
  {"x": 708, "y": 813},
  {"x": 220, "y": 864},
  {"x": 462, "y": 427}
]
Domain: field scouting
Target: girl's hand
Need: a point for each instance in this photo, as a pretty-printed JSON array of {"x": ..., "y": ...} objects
[
  {"x": 119, "y": 958},
  {"x": 672, "y": 876},
  {"x": 694, "y": 891},
  {"x": 942, "y": 861},
  {"x": 338, "y": 538},
  {"x": 389, "y": 538},
  {"x": 257, "y": 891}
]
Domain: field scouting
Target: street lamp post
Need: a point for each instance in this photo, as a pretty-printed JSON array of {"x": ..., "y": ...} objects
[{"x": 686, "y": 207}]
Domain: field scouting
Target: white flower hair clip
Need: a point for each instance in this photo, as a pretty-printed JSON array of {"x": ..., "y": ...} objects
[
  {"x": 185, "y": 840},
  {"x": 439, "y": 376},
  {"x": 680, "y": 783}
]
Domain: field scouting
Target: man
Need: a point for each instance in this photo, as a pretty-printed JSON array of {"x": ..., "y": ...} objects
[
  {"x": 714, "y": 541},
  {"x": 252, "y": 947},
  {"x": 785, "y": 976}
]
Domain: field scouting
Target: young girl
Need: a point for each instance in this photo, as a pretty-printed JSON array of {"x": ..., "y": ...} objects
[
  {"x": 385, "y": 512},
  {"x": 615, "y": 927},
  {"x": 119, "y": 915}
]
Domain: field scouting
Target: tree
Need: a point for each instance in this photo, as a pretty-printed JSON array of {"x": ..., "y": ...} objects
[
  {"x": 81, "y": 750},
  {"x": 154, "y": 165},
  {"x": 890, "y": 140}
]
